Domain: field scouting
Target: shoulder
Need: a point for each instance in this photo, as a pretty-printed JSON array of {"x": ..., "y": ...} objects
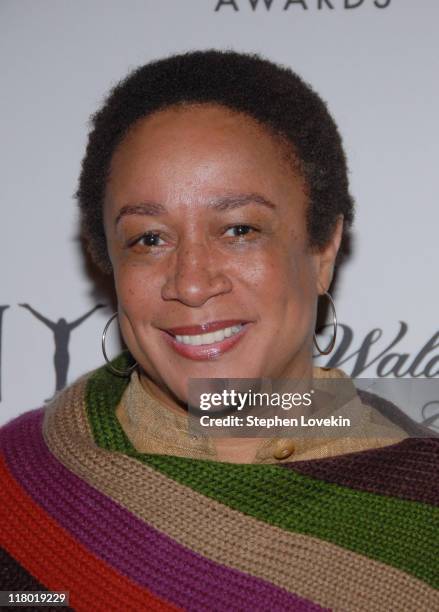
[
  {"x": 21, "y": 423},
  {"x": 395, "y": 415},
  {"x": 405, "y": 470},
  {"x": 94, "y": 389},
  {"x": 21, "y": 427}
]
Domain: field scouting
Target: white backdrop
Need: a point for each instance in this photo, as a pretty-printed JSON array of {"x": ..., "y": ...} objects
[{"x": 376, "y": 67}]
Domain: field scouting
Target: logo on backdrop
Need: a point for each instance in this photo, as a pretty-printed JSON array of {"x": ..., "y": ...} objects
[
  {"x": 355, "y": 357},
  {"x": 290, "y": 5},
  {"x": 61, "y": 330},
  {"x": 388, "y": 361}
]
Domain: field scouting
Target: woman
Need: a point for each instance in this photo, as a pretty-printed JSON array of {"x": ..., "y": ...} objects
[{"x": 214, "y": 189}]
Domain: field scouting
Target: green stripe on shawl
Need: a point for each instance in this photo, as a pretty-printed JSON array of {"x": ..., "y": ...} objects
[{"x": 374, "y": 525}]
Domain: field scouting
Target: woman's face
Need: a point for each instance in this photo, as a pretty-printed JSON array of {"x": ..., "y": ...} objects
[{"x": 206, "y": 230}]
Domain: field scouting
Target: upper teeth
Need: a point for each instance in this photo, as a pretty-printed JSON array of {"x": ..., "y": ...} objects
[{"x": 209, "y": 338}]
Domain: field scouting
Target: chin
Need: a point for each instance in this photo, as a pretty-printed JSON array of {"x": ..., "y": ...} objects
[{"x": 234, "y": 369}]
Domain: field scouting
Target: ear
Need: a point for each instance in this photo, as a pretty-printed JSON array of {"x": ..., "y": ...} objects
[{"x": 325, "y": 258}]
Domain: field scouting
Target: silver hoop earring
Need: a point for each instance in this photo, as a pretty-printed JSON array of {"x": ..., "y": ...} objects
[
  {"x": 334, "y": 323},
  {"x": 109, "y": 364}
]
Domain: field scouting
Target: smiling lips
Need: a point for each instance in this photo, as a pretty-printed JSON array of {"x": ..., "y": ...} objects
[{"x": 207, "y": 341}]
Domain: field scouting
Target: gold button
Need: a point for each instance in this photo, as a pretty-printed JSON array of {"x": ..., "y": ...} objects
[{"x": 283, "y": 449}]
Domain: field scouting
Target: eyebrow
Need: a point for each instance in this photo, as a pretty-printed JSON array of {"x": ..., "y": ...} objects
[
  {"x": 224, "y": 203},
  {"x": 240, "y": 199},
  {"x": 145, "y": 208}
]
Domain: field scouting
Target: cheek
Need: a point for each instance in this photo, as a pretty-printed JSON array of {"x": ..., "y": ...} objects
[
  {"x": 287, "y": 301},
  {"x": 279, "y": 279},
  {"x": 137, "y": 290}
]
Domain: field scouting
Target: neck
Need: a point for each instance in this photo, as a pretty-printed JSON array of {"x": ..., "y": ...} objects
[{"x": 228, "y": 449}]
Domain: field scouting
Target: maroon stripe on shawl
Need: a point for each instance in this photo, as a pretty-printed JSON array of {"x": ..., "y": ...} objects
[
  {"x": 150, "y": 558},
  {"x": 407, "y": 470}
]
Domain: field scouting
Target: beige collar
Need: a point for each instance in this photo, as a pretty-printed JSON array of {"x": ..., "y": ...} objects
[{"x": 153, "y": 428}]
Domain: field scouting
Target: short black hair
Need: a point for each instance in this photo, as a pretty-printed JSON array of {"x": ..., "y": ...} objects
[{"x": 271, "y": 94}]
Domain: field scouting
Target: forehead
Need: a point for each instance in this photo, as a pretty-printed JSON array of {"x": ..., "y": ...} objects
[
  {"x": 204, "y": 148},
  {"x": 197, "y": 117}
]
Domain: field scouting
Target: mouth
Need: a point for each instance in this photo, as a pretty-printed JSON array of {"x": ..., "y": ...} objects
[{"x": 207, "y": 341}]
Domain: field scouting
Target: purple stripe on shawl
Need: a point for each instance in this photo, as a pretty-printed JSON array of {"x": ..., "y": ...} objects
[{"x": 147, "y": 556}]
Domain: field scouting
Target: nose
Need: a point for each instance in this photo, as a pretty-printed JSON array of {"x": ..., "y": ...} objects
[{"x": 195, "y": 275}]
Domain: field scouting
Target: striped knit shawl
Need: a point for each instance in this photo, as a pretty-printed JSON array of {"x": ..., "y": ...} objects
[{"x": 82, "y": 511}]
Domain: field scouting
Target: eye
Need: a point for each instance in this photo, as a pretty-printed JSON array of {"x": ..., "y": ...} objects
[
  {"x": 149, "y": 239},
  {"x": 239, "y": 230}
]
